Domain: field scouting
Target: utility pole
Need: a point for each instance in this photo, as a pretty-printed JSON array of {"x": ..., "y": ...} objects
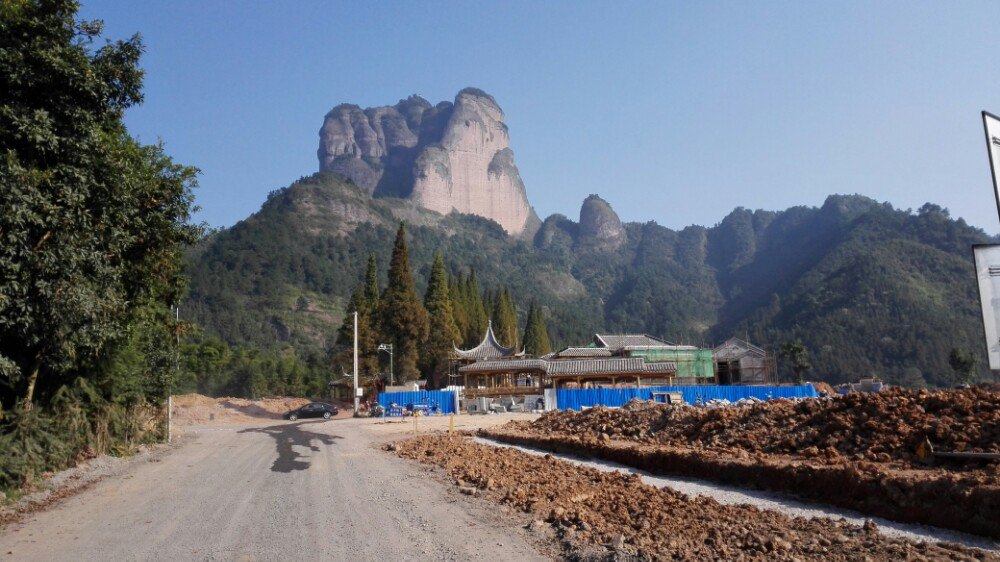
[
  {"x": 356, "y": 398},
  {"x": 177, "y": 371}
]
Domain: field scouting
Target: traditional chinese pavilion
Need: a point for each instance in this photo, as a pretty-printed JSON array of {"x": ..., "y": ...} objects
[{"x": 610, "y": 361}]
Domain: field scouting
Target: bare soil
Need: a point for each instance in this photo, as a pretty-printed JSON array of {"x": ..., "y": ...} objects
[
  {"x": 880, "y": 427},
  {"x": 855, "y": 451},
  {"x": 611, "y": 515},
  {"x": 196, "y": 409}
]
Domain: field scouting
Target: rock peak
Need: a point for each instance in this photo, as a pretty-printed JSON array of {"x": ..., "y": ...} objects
[
  {"x": 477, "y": 93},
  {"x": 448, "y": 157},
  {"x": 600, "y": 226}
]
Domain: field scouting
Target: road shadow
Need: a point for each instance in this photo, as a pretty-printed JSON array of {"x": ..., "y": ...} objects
[{"x": 286, "y": 437}]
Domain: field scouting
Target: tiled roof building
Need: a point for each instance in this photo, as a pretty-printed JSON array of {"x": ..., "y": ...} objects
[{"x": 612, "y": 360}]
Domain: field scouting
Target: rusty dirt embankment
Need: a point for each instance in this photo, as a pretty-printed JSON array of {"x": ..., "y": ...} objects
[
  {"x": 609, "y": 515},
  {"x": 856, "y": 451},
  {"x": 196, "y": 409}
]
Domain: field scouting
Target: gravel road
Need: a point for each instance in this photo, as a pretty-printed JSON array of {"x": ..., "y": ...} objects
[{"x": 307, "y": 490}]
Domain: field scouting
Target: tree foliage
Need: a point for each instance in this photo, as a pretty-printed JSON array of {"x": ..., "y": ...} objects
[
  {"x": 795, "y": 352},
  {"x": 443, "y": 333},
  {"x": 92, "y": 229},
  {"x": 92, "y": 223},
  {"x": 536, "y": 334},
  {"x": 367, "y": 335},
  {"x": 475, "y": 310},
  {"x": 404, "y": 320},
  {"x": 210, "y": 367},
  {"x": 964, "y": 365},
  {"x": 505, "y": 320}
]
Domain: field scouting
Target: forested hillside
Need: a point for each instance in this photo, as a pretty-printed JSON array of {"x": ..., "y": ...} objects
[{"x": 868, "y": 288}]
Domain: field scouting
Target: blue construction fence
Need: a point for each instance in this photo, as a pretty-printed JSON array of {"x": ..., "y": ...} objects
[
  {"x": 445, "y": 399},
  {"x": 576, "y": 399}
]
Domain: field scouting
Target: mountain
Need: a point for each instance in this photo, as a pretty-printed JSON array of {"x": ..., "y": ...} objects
[
  {"x": 447, "y": 157},
  {"x": 870, "y": 289}
]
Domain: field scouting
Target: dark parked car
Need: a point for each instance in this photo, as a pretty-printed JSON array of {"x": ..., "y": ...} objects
[{"x": 313, "y": 410}]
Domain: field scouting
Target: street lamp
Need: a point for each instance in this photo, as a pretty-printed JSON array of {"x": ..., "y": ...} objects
[{"x": 387, "y": 347}]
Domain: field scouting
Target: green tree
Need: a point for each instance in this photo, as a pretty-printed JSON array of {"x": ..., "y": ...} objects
[
  {"x": 372, "y": 290},
  {"x": 536, "y": 335},
  {"x": 505, "y": 320},
  {"x": 404, "y": 320},
  {"x": 475, "y": 310},
  {"x": 367, "y": 344},
  {"x": 796, "y": 352},
  {"x": 459, "y": 309},
  {"x": 963, "y": 363},
  {"x": 912, "y": 378},
  {"x": 93, "y": 223},
  {"x": 443, "y": 333}
]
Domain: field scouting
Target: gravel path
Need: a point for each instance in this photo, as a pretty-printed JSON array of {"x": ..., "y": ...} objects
[
  {"x": 307, "y": 490},
  {"x": 773, "y": 501}
]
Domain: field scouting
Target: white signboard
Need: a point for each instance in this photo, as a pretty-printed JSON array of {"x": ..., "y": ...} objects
[
  {"x": 992, "y": 125},
  {"x": 987, "y": 257},
  {"x": 360, "y": 391}
]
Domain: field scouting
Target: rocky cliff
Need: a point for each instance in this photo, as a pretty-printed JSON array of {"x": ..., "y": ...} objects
[
  {"x": 600, "y": 226},
  {"x": 448, "y": 157}
]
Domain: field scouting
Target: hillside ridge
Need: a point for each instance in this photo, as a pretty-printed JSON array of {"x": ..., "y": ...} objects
[{"x": 870, "y": 289}]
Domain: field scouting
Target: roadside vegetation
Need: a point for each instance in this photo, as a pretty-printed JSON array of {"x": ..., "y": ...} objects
[{"x": 93, "y": 227}]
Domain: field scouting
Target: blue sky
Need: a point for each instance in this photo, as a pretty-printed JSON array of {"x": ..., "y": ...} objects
[{"x": 673, "y": 112}]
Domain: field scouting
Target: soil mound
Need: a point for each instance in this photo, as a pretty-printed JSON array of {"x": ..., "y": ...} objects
[
  {"x": 638, "y": 405},
  {"x": 884, "y": 426},
  {"x": 192, "y": 409},
  {"x": 623, "y": 518},
  {"x": 823, "y": 387}
]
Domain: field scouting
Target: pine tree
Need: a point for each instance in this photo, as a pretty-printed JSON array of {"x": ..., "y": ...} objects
[
  {"x": 371, "y": 284},
  {"x": 490, "y": 304},
  {"x": 505, "y": 320},
  {"x": 345, "y": 335},
  {"x": 536, "y": 335},
  {"x": 459, "y": 308},
  {"x": 404, "y": 320},
  {"x": 443, "y": 333},
  {"x": 367, "y": 352},
  {"x": 476, "y": 310}
]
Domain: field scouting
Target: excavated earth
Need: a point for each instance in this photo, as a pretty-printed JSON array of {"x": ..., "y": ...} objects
[
  {"x": 877, "y": 427},
  {"x": 612, "y": 515},
  {"x": 856, "y": 451},
  {"x": 196, "y": 409}
]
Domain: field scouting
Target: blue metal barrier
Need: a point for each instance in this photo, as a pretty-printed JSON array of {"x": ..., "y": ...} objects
[
  {"x": 445, "y": 399},
  {"x": 576, "y": 399}
]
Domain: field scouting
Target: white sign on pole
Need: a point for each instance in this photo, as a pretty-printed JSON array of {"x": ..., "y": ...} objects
[
  {"x": 987, "y": 258},
  {"x": 359, "y": 391},
  {"x": 991, "y": 123}
]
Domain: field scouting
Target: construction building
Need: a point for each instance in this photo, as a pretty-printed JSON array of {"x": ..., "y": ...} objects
[
  {"x": 740, "y": 362},
  {"x": 609, "y": 361}
]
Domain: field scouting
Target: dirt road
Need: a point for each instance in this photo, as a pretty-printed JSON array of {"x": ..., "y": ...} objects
[{"x": 268, "y": 491}]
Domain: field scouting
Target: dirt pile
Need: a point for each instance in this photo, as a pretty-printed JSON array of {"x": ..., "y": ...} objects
[
  {"x": 192, "y": 409},
  {"x": 882, "y": 427},
  {"x": 619, "y": 515},
  {"x": 823, "y": 387}
]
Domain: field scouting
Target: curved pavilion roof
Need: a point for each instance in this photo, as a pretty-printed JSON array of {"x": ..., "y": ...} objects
[{"x": 488, "y": 349}]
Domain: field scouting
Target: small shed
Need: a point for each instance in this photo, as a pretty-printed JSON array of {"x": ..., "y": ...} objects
[{"x": 740, "y": 362}]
